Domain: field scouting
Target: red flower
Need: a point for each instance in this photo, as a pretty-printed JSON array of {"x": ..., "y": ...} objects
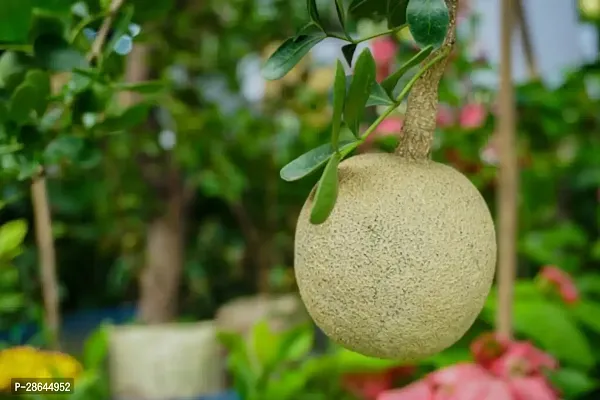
[
  {"x": 487, "y": 348},
  {"x": 562, "y": 282},
  {"x": 367, "y": 386}
]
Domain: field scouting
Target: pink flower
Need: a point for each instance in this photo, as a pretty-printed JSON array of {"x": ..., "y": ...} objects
[
  {"x": 390, "y": 125},
  {"x": 472, "y": 116},
  {"x": 384, "y": 51},
  {"x": 562, "y": 282},
  {"x": 532, "y": 388},
  {"x": 522, "y": 359},
  {"x": 419, "y": 390},
  {"x": 513, "y": 372},
  {"x": 445, "y": 116},
  {"x": 489, "y": 154}
]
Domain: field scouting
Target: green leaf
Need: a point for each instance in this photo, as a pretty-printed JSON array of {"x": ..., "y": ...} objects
[
  {"x": 387, "y": 143},
  {"x": 572, "y": 383},
  {"x": 550, "y": 326},
  {"x": 339, "y": 98},
  {"x": 12, "y": 235},
  {"x": 396, "y": 13},
  {"x": 95, "y": 348},
  {"x": 54, "y": 6},
  {"x": 265, "y": 343},
  {"x": 588, "y": 313},
  {"x": 12, "y": 69},
  {"x": 313, "y": 12},
  {"x": 389, "y": 83},
  {"x": 55, "y": 54},
  {"x": 148, "y": 87},
  {"x": 359, "y": 91},
  {"x": 22, "y": 102},
  {"x": 15, "y": 20},
  {"x": 348, "y": 52},
  {"x": 379, "y": 97},
  {"x": 313, "y": 160},
  {"x": 428, "y": 21},
  {"x": 10, "y": 148},
  {"x": 295, "y": 344},
  {"x": 289, "y": 54},
  {"x": 360, "y": 9},
  {"x": 341, "y": 13},
  {"x": 11, "y": 302},
  {"x": 327, "y": 191},
  {"x": 40, "y": 80},
  {"x": 65, "y": 148}
]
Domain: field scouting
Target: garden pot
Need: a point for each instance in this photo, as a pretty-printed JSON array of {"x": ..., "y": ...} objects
[
  {"x": 281, "y": 311},
  {"x": 170, "y": 361}
]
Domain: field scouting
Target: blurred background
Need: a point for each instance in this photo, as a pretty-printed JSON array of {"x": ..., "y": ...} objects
[{"x": 179, "y": 230}]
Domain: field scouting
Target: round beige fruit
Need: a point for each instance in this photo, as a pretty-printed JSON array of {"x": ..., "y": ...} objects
[{"x": 404, "y": 263}]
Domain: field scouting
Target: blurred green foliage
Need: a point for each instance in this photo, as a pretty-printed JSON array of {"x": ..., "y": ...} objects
[{"x": 107, "y": 166}]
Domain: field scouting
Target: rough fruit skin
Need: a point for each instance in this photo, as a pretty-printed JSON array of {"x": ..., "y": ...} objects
[{"x": 403, "y": 265}]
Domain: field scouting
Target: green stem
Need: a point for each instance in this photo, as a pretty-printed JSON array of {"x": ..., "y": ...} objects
[
  {"x": 401, "y": 96},
  {"x": 389, "y": 31},
  {"x": 376, "y": 35}
]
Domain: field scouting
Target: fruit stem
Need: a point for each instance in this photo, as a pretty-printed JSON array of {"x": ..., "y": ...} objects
[{"x": 421, "y": 112}]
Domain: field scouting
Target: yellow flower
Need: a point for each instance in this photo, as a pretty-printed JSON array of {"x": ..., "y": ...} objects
[{"x": 29, "y": 362}]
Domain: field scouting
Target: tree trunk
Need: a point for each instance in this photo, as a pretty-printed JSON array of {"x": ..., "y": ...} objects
[
  {"x": 161, "y": 277},
  {"x": 47, "y": 258}
]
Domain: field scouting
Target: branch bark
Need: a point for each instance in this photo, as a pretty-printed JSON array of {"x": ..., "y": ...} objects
[
  {"x": 47, "y": 258},
  {"x": 508, "y": 177},
  {"x": 521, "y": 23},
  {"x": 422, "y": 105}
]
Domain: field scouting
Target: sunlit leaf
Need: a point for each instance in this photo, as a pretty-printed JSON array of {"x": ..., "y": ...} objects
[{"x": 288, "y": 55}]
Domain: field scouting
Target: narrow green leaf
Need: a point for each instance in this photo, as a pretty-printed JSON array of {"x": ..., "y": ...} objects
[
  {"x": 360, "y": 90},
  {"x": 313, "y": 160},
  {"x": 288, "y": 55},
  {"x": 379, "y": 97},
  {"x": 360, "y": 9},
  {"x": 310, "y": 29},
  {"x": 348, "y": 52},
  {"x": 341, "y": 13},
  {"x": 389, "y": 83},
  {"x": 327, "y": 192},
  {"x": 147, "y": 87},
  {"x": 22, "y": 102},
  {"x": 313, "y": 12},
  {"x": 396, "y": 13},
  {"x": 339, "y": 98},
  {"x": 55, "y": 54},
  {"x": 40, "y": 80},
  {"x": 428, "y": 21}
]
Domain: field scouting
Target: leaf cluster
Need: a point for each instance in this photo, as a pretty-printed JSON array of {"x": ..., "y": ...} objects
[{"x": 428, "y": 21}]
